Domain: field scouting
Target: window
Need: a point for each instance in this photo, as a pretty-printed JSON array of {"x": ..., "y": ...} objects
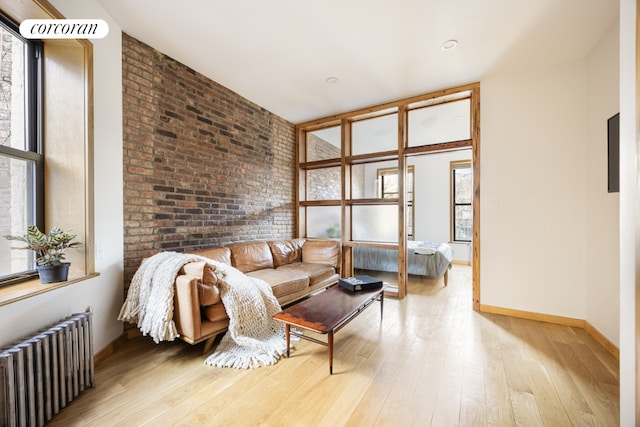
[
  {"x": 323, "y": 144},
  {"x": 321, "y": 184},
  {"x": 461, "y": 201},
  {"x": 446, "y": 122},
  {"x": 375, "y": 135},
  {"x": 21, "y": 160},
  {"x": 388, "y": 189}
]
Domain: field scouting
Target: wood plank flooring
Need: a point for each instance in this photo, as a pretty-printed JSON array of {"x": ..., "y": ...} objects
[{"x": 432, "y": 361}]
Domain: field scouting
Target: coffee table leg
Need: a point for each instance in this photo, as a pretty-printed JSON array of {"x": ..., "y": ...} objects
[
  {"x": 287, "y": 331},
  {"x": 330, "y": 344},
  {"x": 381, "y": 304}
]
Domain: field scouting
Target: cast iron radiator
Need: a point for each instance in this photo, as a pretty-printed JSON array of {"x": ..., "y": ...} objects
[{"x": 40, "y": 374}]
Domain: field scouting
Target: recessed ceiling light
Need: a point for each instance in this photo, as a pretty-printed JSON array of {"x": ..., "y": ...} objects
[
  {"x": 332, "y": 80},
  {"x": 449, "y": 44}
]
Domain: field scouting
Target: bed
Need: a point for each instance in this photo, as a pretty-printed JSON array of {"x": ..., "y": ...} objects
[{"x": 430, "y": 259}]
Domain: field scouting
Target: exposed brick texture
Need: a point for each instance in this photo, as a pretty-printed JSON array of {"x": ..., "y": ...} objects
[{"x": 203, "y": 166}]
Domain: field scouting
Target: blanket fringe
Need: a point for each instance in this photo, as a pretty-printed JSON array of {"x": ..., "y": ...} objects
[
  {"x": 228, "y": 354},
  {"x": 254, "y": 338}
]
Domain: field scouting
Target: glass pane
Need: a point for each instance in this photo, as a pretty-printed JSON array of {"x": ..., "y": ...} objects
[
  {"x": 16, "y": 213},
  {"x": 463, "y": 185},
  {"x": 440, "y": 123},
  {"x": 323, "y": 144},
  {"x": 375, "y": 223},
  {"x": 360, "y": 185},
  {"x": 463, "y": 216},
  {"x": 324, "y": 184},
  {"x": 375, "y": 135},
  {"x": 365, "y": 179},
  {"x": 323, "y": 221},
  {"x": 12, "y": 91},
  {"x": 389, "y": 186}
]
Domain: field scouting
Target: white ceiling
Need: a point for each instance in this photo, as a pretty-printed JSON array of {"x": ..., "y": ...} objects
[{"x": 279, "y": 53}]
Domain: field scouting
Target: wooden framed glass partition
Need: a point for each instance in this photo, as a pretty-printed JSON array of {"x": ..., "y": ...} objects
[{"x": 337, "y": 172}]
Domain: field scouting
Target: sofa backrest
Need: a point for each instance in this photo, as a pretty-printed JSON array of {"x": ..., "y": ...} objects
[
  {"x": 258, "y": 255},
  {"x": 286, "y": 251},
  {"x": 251, "y": 256},
  {"x": 217, "y": 254},
  {"x": 321, "y": 252}
]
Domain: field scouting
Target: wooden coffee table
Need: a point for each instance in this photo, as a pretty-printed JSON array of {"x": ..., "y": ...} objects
[{"x": 327, "y": 313}]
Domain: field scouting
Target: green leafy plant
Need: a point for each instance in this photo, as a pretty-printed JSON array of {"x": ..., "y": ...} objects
[
  {"x": 49, "y": 248},
  {"x": 333, "y": 231}
]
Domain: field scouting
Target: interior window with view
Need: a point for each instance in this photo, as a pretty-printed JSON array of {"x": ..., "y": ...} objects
[
  {"x": 388, "y": 189},
  {"x": 462, "y": 198},
  {"x": 20, "y": 159}
]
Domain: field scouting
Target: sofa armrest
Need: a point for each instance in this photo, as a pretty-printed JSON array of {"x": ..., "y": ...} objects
[
  {"x": 186, "y": 307},
  {"x": 192, "y": 302}
]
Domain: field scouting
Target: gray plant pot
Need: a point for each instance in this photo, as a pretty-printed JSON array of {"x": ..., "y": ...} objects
[{"x": 54, "y": 273}]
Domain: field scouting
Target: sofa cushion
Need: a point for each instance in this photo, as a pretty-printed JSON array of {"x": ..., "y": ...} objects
[
  {"x": 251, "y": 256},
  {"x": 282, "y": 282},
  {"x": 286, "y": 251},
  {"x": 214, "y": 312},
  {"x": 217, "y": 254},
  {"x": 321, "y": 252},
  {"x": 206, "y": 273},
  {"x": 208, "y": 294},
  {"x": 315, "y": 272}
]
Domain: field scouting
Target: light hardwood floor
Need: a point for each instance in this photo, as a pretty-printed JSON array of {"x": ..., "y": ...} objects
[{"x": 432, "y": 361}]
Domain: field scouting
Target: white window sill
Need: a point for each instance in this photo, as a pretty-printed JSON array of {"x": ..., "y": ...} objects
[{"x": 24, "y": 290}]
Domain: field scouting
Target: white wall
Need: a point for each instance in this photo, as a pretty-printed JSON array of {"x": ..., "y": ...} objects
[
  {"x": 549, "y": 228},
  {"x": 104, "y": 293},
  {"x": 602, "y": 228},
  {"x": 629, "y": 212},
  {"x": 533, "y": 194}
]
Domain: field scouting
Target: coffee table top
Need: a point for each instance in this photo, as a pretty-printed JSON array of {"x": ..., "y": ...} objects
[{"x": 322, "y": 313}]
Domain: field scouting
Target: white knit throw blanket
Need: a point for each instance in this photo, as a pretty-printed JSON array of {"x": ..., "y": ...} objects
[{"x": 254, "y": 338}]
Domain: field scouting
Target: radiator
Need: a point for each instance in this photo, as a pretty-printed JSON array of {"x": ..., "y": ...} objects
[{"x": 42, "y": 373}]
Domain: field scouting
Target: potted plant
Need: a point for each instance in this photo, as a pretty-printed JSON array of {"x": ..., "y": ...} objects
[{"x": 50, "y": 249}]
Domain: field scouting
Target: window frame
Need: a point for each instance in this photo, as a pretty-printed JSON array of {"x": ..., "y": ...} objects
[
  {"x": 381, "y": 173},
  {"x": 34, "y": 145},
  {"x": 456, "y": 165}
]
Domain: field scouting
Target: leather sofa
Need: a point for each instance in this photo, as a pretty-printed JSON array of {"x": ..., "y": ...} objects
[{"x": 294, "y": 268}]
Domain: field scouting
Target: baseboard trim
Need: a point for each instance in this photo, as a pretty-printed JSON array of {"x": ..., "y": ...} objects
[
  {"x": 604, "y": 341},
  {"x": 107, "y": 351},
  {"x": 558, "y": 320}
]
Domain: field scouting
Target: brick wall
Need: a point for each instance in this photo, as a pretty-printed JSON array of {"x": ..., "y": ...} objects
[{"x": 203, "y": 166}]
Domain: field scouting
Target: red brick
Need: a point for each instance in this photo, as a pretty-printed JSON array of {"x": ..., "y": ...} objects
[{"x": 230, "y": 159}]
